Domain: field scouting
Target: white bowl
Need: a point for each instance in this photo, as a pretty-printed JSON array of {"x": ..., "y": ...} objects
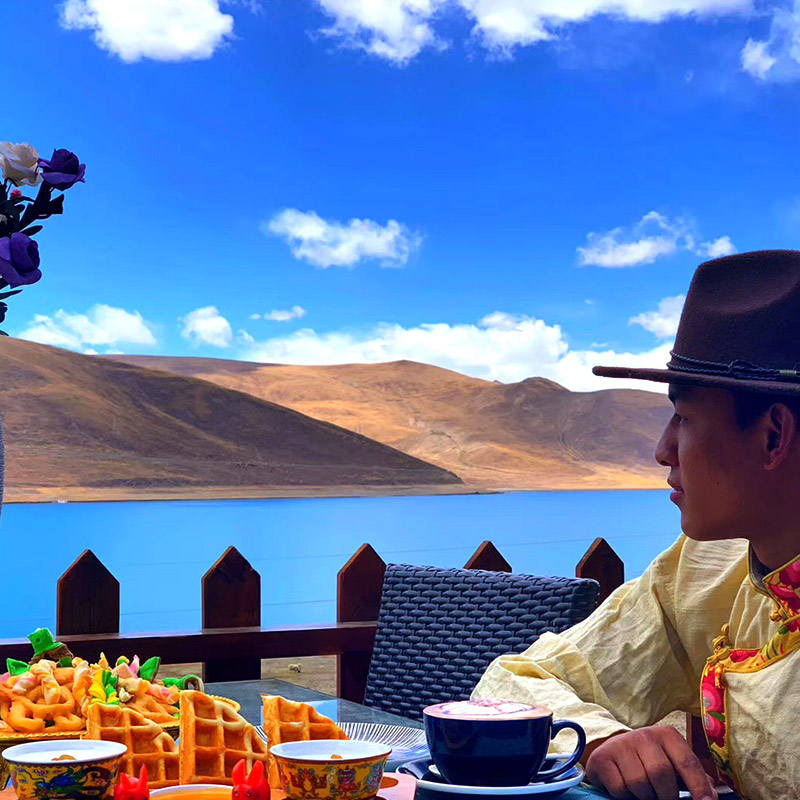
[
  {"x": 324, "y": 749},
  {"x": 81, "y": 751}
]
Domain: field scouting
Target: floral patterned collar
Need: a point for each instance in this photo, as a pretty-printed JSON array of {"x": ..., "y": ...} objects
[{"x": 782, "y": 585}]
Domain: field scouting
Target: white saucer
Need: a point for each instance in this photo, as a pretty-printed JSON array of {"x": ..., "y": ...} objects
[{"x": 553, "y": 788}]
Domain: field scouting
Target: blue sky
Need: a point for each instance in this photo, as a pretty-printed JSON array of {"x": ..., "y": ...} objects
[{"x": 503, "y": 187}]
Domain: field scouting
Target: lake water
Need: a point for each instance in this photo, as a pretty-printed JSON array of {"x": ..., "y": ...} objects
[{"x": 160, "y": 550}]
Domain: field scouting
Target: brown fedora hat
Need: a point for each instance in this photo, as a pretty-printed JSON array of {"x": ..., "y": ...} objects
[{"x": 739, "y": 329}]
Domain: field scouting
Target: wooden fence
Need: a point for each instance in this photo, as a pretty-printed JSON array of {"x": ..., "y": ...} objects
[
  {"x": 232, "y": 641},
  {"x": 88, "y": 611}
]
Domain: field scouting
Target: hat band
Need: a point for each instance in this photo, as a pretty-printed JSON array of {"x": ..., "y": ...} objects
[{"x": 743, "y": 370}]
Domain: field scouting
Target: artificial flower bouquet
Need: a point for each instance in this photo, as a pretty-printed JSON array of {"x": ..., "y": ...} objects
[{"x": 20, "y": 215}]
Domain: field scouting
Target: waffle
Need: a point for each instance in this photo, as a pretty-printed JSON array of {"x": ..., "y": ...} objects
[
  {"x": 147, "y": 743},
  {"x": 290, "y": 721},
  {"x": 213, "y": 739}
]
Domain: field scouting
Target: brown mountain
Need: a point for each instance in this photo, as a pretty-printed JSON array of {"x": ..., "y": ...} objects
[
  {"x": 81, "y": 426},
  {"x": 529, "y": 435}
]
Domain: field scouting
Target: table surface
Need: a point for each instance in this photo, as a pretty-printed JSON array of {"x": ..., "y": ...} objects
[{"x": 248, "y": 694}]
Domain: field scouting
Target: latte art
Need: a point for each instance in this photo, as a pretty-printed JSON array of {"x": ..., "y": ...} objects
[{"x": 487, "y": 709}]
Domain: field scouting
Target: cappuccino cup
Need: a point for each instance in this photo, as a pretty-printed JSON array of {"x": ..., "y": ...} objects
[{"x": 495, "y": 742}]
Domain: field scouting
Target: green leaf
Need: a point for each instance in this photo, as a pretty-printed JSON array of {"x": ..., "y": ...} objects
[
  {"x": 149, "y": 669},
  {"x": 33, "y": 230},
  {"x": 16, "y": 667},
  {"x": 3, "y": 295},
  {"x": 717, "y": 716}
]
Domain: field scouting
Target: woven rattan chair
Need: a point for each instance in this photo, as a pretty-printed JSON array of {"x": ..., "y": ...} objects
[{"x": 438, "y": 629}]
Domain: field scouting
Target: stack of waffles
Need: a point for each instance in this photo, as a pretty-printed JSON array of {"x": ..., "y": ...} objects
[{"x": 213, "y": 738}]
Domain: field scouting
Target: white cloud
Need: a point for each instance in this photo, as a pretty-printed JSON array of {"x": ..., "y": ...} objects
[
  {"x": 778, "y": 57},
  {"x": 281, "y": 315},
  {"x": 652, "y": 237},
  {"x": 503, "y": 25},
  {"x": 207, "y": 326},
  {"x": 100, "y": 325},
  {"x": 756, "y": 59},
  {"x": 501, "y": 321},
  {"x": 717, "y": 248},
  {"x": 162, "y": 30},
  {"x": 326, "y": 243},
  {"x": 398, "y": 30},
  {"x": 501, "y": 346},
  {"x": 663, "y": 322}
]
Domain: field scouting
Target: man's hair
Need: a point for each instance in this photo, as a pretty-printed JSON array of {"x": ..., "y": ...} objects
[{"x": 751, "y": 406}]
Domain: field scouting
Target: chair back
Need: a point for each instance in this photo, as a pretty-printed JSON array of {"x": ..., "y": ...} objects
[{"x": 439, "y": 629}]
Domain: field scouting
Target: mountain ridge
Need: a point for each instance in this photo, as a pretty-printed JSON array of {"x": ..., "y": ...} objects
[
  {"x": 532, "y": 434},
  {"x": 86, "y": 427}
]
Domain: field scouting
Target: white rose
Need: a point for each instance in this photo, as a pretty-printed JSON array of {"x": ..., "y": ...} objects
[{"x": 19, "y": 164}]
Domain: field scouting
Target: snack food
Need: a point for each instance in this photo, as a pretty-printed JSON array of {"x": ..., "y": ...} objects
[
  {"x": 213, "y": 738},
  {"x": 53, "y": 693},
  {"x": 290, "y": 721},
  {"x": 148, "y": 744}
]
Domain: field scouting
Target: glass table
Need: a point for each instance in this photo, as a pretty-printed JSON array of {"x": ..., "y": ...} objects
[{"x": 248, "y": 694}]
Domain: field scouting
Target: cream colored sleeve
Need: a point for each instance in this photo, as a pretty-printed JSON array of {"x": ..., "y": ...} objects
[{"x": 626, "y": 666}]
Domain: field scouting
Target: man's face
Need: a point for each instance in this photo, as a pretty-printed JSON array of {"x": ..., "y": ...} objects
[{"x": 712, "y": 465}]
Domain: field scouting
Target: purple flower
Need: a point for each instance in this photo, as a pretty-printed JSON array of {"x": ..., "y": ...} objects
[
  {"x": 19, "y": 260},
  {"x": 62, "y": 170}
]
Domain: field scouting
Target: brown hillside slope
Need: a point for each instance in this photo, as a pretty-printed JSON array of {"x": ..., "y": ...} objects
[
  {"x": 529, "y": 435},
  {"x": 76, "y": 422}
]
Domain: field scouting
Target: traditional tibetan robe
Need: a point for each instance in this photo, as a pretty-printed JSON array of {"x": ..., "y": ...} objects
[{"x": 704, "y": 629}]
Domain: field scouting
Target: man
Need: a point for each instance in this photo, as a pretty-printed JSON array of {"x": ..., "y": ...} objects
[{"x": 716, "y": 618}]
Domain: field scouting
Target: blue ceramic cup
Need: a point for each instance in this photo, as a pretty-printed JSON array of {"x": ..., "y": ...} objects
[{"x": 495, "y": 742}]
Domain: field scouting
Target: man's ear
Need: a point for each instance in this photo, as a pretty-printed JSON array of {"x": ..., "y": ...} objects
[{"x": 780, "y": 424}]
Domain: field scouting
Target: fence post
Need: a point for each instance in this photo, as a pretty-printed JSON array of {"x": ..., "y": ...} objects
[
  {"x": 231, "y": 592},
  {"x": 87, "y": 598},
  {"x": 358, "y": 599},
  {"x": 487, "y": 556},
  {"x": 604, "y": 565}
]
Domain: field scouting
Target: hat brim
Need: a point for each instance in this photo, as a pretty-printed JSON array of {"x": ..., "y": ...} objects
[{"x": 691, "y": 379}]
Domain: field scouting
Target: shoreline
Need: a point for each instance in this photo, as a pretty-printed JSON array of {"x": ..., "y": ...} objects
[
  {"x": 14, "y": 496},
  {"x": 116, "y": 495}
]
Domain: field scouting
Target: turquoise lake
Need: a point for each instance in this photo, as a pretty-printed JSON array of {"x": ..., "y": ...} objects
[{"x": 160, "y": 550}]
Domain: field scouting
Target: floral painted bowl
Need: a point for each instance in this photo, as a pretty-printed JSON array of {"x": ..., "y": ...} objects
[
  {"x": 331, "y": 768},
  {"x": 74, "y": 768}
]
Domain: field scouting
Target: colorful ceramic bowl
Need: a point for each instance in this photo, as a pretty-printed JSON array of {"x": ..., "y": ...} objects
[
  {"x": 56, "y": 769},
  {"x": 331, "y": 768}
]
